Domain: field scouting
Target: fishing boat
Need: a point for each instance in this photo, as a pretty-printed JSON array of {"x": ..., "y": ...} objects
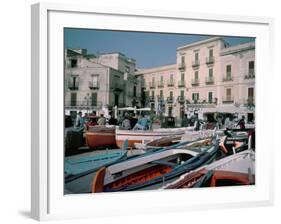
[
  {"x": 160, "y": 142},
  {"x": 233, "y": 170},
  {"x": 83, "y": 163},
  {"x": 150, "y": 170},
  {"x": 99, "y": 136},
  {"x": 145, "y": 136}
]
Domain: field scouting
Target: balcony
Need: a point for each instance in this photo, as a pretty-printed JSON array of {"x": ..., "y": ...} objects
[
  {"x": 160, "y": 98},
  {"x": 209, "y": 80},
  {"x": 210, "y": 60},
  {"x": 195, "y": 82},
  {"x": 250, "y": 101},
  {"x": 228, "y": 100},
  {"x": 73, "y": 85},
  {"x": 181, "y": 66},
  {"x": 118, "y": 86},
  {"x": 251, "y": 74},
  {"x": 171, "y": 83},
  {"x": 170, "y": 99},
  {"x": 181, "y": 99},
  {"x": 227, "y": 77},
  {"x": 83, "y": 105},
  {"x": 195, "y": 63},
  {"x": 151, "y": 99},
  {"x": 181, "y": 83},
  {"x": 160, "y": 84},
  {"x": 94, "y": 85},
  {"x": 152, "y": 85}
]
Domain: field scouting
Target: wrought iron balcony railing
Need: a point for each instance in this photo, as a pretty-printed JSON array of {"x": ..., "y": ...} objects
[
  {"x": 152, "y": 85},
  {"x": 181, "y": 99},
  {"x": 171, "y": 83},
  {"x": 160, "y": 84},
  {"x": 181, "y": 83},
  {"x": 170, "y": 99},
  {"x": 210, "y": 60},
  {"x": 251, "y": 74},
  {"x": 181, "y": 66},
  {"x": 228, "y": 99},
  {"x": 195, "y": 82},
  {"x": 73, "y": 85},
  {"x": 209, "y": 80},
  {"x": 94, "y": 85},
  {"x": 195, "y": 63},
  {"x": 227, "y": 77}
]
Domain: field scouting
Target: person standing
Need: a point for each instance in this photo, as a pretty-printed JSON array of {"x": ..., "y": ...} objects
[
  {"x": 241, "y": 122},
  {"x": 126, "y": 124},
  {"x": 79, "y": 120},
  {"x": 142, "y": 123},
  {"x": 112, "y": 120},
  {"x": 102, "y": 120},
  {"x": 184, "y": 122}
]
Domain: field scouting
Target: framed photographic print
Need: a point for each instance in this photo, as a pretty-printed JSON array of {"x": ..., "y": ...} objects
[{"x": 162, "y": 111}]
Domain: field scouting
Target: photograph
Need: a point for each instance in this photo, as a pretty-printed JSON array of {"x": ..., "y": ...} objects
[{"x": 156, "y": 111}]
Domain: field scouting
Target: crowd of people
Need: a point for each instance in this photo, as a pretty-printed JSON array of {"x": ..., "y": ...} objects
[{"x": 129, "y": 121}]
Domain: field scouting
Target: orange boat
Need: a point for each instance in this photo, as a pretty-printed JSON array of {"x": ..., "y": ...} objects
[{"x": 99, "y": 136}]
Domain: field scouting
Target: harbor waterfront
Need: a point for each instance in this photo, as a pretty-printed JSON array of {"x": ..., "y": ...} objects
[{"x": 189, "y": 124}]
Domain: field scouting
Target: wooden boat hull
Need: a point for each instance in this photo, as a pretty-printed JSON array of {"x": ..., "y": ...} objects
[
  {"x": 99, "y": 137},
  {"x": 139, "y": 136},
  {"x": 237, "y": 169},
  {"x": 152, "y": 169}
]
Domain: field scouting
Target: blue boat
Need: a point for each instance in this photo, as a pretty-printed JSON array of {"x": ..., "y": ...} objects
[{"x": 76, "y": 166}]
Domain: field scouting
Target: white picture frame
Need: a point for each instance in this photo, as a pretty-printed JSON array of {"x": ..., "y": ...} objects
[{"x": 48, "y": 200}]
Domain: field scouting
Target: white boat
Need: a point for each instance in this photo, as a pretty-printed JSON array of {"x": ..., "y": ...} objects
[
  {"x": 144, "y": 136},
  {"x": 238, "y": 168}
]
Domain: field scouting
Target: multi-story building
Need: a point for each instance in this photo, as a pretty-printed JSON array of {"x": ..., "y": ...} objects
[
  {"x": 160, "y": 88},
  {"x": 97, "y": 84},
  {"x": 209, "y": 77}
]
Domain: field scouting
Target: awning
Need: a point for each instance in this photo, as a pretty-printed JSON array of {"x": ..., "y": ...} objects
[{"x": 227, "y": 109}]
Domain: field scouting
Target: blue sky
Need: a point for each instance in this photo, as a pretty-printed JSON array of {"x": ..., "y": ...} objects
[{"x": 149, "y": 49}]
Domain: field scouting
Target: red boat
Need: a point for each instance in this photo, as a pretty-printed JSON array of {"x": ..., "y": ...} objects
[{"x": 99, "y": 136}]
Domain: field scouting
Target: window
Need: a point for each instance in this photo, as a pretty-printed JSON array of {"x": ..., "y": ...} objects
[
  {"x": 251, "y": 65},
  {"x": 161, "y": 79},
  {"x": 251, "y": 68},
  {"x": 182, "y": 93},
  {"x": 251, "y": 92},
  {"x": 171, "y": 77},
  {"x": 196, "y": 75},
  {"x": 161, "y": 93},
  {"x": 228, "y": 93},
  {"x": 73, "y": 63},
  {"x": 153, "y": 81},
  {"x": 94, "y": 99},
  {"x": 171, "y": 94},
  {"x": 135, "y": 91},
  {"x": 182, "y": 60},
  {"x": 95, "y": 79},
  {"x": 182, "y": 76},
  {"x": 196, "y": 56},
  {"x": 73, "y": 99},
  {"x": 210, "y": 97},
  {"x": 211, "y": 52},
  {"x": 210, "y": 73},
  {"x": 152, "y": 94},
  {"x": 228, "y": 72},
  {"x": 195, "y": 97}
]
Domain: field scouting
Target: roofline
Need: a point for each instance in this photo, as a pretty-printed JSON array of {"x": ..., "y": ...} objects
[
  {"x": 238, "y": 48},
  {"x": 156, "y": 69},
  {"x": 199, "y": 43}
]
